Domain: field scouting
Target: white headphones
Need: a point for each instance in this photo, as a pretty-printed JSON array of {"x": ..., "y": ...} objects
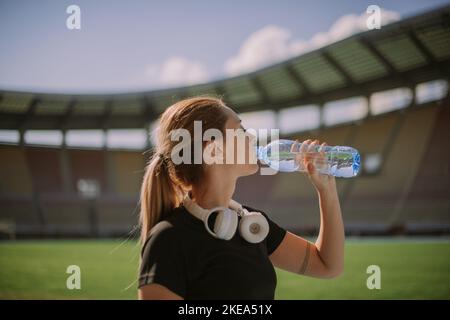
[{"x": 253, "y": 226}]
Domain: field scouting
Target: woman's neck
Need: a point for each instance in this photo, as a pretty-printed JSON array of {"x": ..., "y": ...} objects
[{"x": 214, "y": 192}]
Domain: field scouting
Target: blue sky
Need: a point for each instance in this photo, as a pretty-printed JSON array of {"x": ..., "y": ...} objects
[{"x": 141, "y": 45}]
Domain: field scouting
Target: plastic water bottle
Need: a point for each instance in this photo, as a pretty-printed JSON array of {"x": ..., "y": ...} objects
[{"x": 283, "y": 155}]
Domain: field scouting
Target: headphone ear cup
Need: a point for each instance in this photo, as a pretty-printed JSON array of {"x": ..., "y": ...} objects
[
  {"x": 226, "y": 224},
  {"x": 254, "y": 227}
]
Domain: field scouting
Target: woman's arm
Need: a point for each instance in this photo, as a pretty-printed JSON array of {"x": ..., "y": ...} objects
[{"x": 325, "y": 257}]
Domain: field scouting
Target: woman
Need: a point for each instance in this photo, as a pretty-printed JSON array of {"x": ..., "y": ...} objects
[{"x": 182, "y": 260}]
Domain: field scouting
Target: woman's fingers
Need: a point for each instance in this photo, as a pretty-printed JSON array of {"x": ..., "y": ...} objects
[
  {"x": 294, "y": 149},
  {"x": 302, "y": 152},
  {"x": 321, "y": 150},
  {"x": 322, "y": 147},
  {"x": 311, "y": 152},
  {"x": 312, "y": 149},
  {"x": 294, "y": 145},
  {"x": 321, "y": 157},
  {"x": 310, "y": 155},
  {"x": 304, "y": 146}
]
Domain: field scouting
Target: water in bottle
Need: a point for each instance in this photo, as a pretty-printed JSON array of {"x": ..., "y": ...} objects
[{"x": 287, "y": 156}]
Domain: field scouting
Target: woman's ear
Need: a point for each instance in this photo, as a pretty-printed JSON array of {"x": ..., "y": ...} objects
[
  {"x": 219, "y": 153},
  {"x": 213, "y": 152}
]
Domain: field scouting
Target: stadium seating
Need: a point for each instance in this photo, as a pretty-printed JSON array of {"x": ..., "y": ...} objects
[
  {"x": 374, "y": 199},
  {"x": 68, "y": 215},
  {"x": 88, "y": 164},
  {"x": 128, "y": 169},
  {"x": 410, "y": 189},
  {"x": 117, "y": 216},
  {"x": 427, "y": 205},
  {"x": 21, "y": 213},
  {"x": 18, "y": 208},
  {"x": 45, "y": 168},
  {"x": 15, "y": 177}
]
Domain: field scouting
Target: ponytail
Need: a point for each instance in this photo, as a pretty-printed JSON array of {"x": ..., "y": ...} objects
[{"x": 159, "y": 194}]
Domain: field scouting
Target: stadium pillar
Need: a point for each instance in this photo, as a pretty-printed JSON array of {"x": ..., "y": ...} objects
[
  {"x": 414, "y": 95},
  {"x": 369, "y": 106},
  {"x": 149, "y": 140},
  {"x": 21, "y": 137},
  {"x": 35, "y": 196},
  {"x": 65, "y": 166},
  {"x": 93, "y": 218},
  {"x": 321, "y": 117},
  {"x": 277, "y": 119},
  {"x": 110, "y": 173}
]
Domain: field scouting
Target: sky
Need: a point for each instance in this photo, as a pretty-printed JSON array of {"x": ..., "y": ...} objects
[{"x": 126, "y": 46}]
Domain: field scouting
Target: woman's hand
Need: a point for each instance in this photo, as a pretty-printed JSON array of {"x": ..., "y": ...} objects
[{"x": 312, "y": 160}]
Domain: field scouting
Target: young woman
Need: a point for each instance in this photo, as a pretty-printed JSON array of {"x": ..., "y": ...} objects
[{"x": 182, "y": 260}]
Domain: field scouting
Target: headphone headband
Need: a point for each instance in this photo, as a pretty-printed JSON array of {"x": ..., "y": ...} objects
[
  {"x": 253, "y": 226},
  {"x": 201, "y": 213}
]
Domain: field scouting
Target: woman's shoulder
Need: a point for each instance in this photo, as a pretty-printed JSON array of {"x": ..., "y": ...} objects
[
  {"x": 164, "y": 241},
  {"x": 167, "y": 230}
]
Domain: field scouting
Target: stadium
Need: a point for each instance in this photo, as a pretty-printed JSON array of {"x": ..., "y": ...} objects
[{"x": 62, "y": 205}]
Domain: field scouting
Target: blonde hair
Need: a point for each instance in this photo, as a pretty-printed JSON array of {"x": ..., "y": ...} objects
[{"x": 164, "y": 183}]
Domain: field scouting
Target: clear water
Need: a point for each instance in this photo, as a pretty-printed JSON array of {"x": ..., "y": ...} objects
[{"x": 338, "y": 161}]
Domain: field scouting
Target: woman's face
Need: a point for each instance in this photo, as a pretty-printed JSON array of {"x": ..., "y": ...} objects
[{"x": 241, "y": 144}]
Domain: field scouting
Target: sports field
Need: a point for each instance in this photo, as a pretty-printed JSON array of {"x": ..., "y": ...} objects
[{"x": 410, "y": 269}]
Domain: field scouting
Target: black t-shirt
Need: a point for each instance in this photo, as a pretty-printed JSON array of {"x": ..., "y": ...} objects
[{"x": 189, "y": 261}]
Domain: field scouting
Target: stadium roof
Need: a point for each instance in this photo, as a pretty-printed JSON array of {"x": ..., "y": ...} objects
[{"x": 401, "y": 54}]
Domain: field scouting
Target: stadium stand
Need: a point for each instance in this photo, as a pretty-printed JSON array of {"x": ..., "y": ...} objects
[
  {"x": 88, "y": 164},
  {"x": 68, "y": 216},
  {"x": 44, "y": 166},
  {"x": 18, "y": 212},
  {"x": 59, "y": 191},
  {"x": 427, "y": 204},
  {"x": 117, "y": 216},
  {"x": 15, "y": 175},
  {"x": 19, "y": 215},
  {"x": 128, "y": 168},
  {"x": 373, "y": 199}
]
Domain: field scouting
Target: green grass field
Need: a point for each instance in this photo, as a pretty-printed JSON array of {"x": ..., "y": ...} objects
[{"x": 410, "y": 269}]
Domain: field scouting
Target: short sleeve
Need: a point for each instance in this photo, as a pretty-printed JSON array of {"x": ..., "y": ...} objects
[
  {"x": 276, "y": 233},
  {"x": 162, "y": 261}
]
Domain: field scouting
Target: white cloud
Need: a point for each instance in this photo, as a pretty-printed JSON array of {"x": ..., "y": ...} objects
[
  {"x": 272, "y": 43},
  {"x": 176, "y": 71}
]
